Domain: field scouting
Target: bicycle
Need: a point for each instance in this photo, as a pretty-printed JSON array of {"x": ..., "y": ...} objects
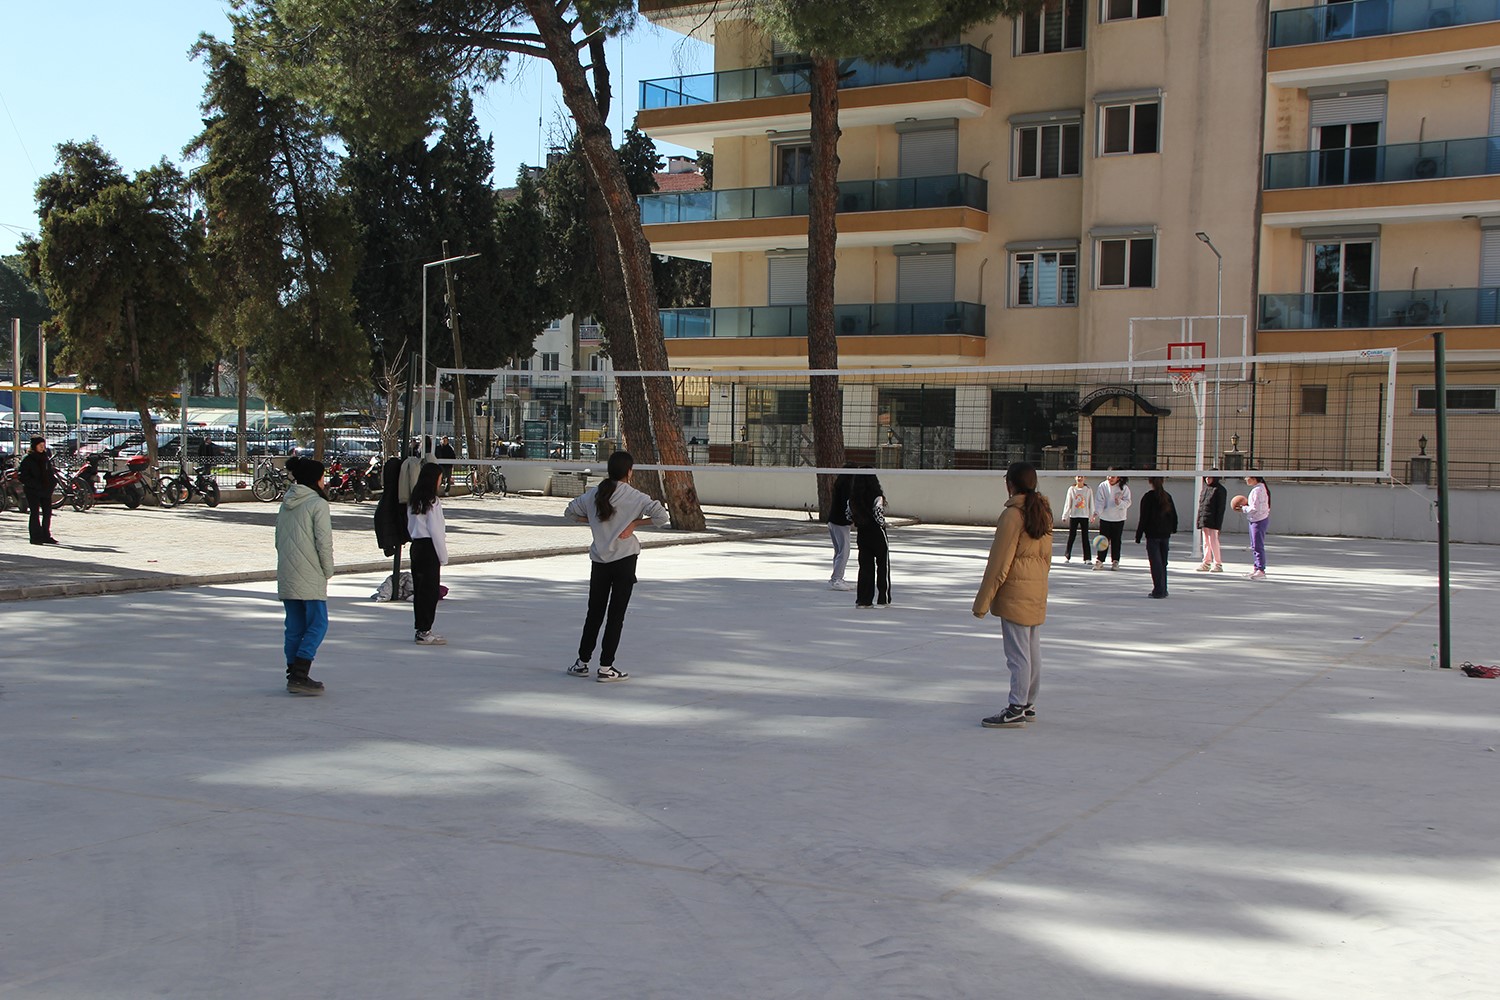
[
  {"x": 491, "y": 480},
  {"x": 270, "y": 482},
  {"x": 182, "y": 488}
]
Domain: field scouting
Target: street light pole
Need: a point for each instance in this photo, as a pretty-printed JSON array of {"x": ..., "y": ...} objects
[
  {"x": 422, "y": 385},
  {"x": 1218, "y": 335}
]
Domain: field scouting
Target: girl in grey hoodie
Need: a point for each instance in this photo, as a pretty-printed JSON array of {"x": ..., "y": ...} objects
[{"x": 612, "y": 510}]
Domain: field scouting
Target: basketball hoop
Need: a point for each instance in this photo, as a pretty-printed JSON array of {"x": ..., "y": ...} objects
[{"x": 1182, "y": 381}]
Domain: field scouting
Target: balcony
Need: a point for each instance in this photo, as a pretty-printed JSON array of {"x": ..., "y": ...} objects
[
  {"x": 1353, "y": 19},
  {"x": 950, "y": 63},
  {"x": 890, "y": 195},
  {"x": 1446, "y": 307},
  {"x": 871, "y": 320},
  {"x": 949, "y": 82},
  {"x": 1383, "y": 164}
]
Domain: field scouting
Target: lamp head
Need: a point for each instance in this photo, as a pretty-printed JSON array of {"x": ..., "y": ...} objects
[{"x": 1202, "y": 236}]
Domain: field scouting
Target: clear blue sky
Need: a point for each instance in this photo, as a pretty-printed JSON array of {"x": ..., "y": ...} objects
[{"x": 120, "y": 72}]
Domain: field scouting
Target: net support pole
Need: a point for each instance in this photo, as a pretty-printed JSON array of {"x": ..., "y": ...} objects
[
  {"x": 15, "y": 386},
  {"x": 1199, "y": 391},
  {"x": 1445, "y": 610}
]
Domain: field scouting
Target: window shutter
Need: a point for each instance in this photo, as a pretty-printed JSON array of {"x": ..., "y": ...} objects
[
  {"x": 1489, "y": 259},
  {"x": 788, "y": 283},
  {"x": 1495, "y": 108},
  {"x": 929, "y": 153},
  {"x": 925, "y": 278},
  {"x": 1347, "y": 110}
]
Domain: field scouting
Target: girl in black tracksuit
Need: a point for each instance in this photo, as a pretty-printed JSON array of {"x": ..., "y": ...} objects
[
  {"x": 866, "y": 503},
  {"x": 1157, "y": 522}
]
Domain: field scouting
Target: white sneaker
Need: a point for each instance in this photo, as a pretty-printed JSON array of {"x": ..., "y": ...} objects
[
  {"x": 430, "y": 639},
  {"x": 1114, "y": 567},
  {"x": 840, "y": 585},
  {"x": 579, "y": 669},
  {"x": 1098, "y": 565},
  {"x": 1257, "y": 574}
]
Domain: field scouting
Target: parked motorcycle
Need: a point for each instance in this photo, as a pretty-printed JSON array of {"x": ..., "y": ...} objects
[
  {"x": 129, "y": 486},
  {"x": 182, "y": 488},
  {"x": 345, "y": 484}
]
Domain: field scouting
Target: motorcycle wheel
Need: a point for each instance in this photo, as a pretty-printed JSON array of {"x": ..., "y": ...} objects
[
  {"x": 211, "y": 493},
  {"x": 264, "y": 488},
  {"x": 132, "y": 495},
  {"x": 82, "y": 496}
]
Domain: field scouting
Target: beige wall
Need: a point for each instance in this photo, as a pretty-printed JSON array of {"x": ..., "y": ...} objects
[
  {"x": 1455, "y": 107},
  {"x": 1445, "y": 254}
]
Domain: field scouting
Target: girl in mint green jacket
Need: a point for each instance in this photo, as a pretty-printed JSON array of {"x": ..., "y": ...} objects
[{"x": 304, "y": 562}]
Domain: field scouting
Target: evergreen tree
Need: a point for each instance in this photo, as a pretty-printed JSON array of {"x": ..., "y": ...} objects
[
  {"x": 21, "y": 299},
  {"x": 115, "y": 258}
]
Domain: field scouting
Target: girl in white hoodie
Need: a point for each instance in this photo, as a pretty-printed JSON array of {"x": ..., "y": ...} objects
[
  {"x": 429, "y": 551},
  {"x": 612, "y": 510}
]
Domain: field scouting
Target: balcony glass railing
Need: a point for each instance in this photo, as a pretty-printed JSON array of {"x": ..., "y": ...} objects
[
  {"x": 892, "y": 194},
  {"x": 1334, "y": 22},
  {"x": 948, "y": 63},
  {"x": 879, "y": 319},
  {"x": 1408, "y": 161},
  {"x": 1362, "y": 310}
]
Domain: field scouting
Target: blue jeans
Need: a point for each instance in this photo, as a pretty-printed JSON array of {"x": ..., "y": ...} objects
[{"x": 306, "y": 625}]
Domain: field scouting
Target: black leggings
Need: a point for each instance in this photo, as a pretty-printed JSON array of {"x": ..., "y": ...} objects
[
  {"x": 40, "y": 523},
  {"x": 1115, "y": 532},
  {"x": 610, "y": 586},
  {"x": 873, "y": 585},
  {"x": 426, "y": 575},
  {"x": 1075, "y": 525}
]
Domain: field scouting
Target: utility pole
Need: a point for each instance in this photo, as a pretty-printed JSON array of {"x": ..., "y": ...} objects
[
  {"x": 464, "y": 422},
  {"x": 41, "y": 380}
]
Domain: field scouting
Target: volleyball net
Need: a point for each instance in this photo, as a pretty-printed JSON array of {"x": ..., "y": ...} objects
[{"x": 1308, "y": 416}]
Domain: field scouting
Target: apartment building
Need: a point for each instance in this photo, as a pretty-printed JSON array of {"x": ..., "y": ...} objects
[{"x": 1020, "y": 195}]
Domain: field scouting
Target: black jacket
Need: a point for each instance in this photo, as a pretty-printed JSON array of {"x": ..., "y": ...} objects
[
  {"x": 839, "y": 512},
  {"x": 35, "y": 472},
  {"x": 1158, "y": 516},
  {"x": 390, "y": 512},
  {"x": 1211, "y": 506}
]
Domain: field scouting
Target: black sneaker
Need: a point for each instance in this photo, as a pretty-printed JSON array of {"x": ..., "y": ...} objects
[
  {"x": 1029, "y": 712},
  {"x": 1014, "y": 716},
  {"x": 607, "y": 674},
  {"x": 579, "y": 669}
]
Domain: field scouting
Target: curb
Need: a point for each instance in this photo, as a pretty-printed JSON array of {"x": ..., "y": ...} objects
[{"x": 137, "y": 584}]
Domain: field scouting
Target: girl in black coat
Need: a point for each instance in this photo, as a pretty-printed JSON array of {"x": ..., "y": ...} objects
[
  {"x": 1157, "y": 522},
  {"x": 1211, "y": 504},
  {"x": 867, "y": 512}
]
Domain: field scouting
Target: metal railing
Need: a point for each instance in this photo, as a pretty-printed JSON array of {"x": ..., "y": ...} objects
[
  {"x": 947, "y": 63},
  {"x": 887, "y": 195},
  {"x": 1357, "y": 310},
  {"x": 1406, "y": 161},
  {"x": 877, "y": 319},
  {"x": 1340, "y": 21}
]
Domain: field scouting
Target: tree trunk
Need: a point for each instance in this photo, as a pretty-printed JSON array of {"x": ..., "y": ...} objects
[
  {"x": 242, "y": 392},
  {"x": 635, "y": 412},
  {"x": 463, "y": 416},
  {"x": 635, "y": 257},
  {"x": 822, "y": 236}
]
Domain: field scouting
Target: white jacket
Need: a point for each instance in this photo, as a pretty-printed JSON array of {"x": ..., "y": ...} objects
[
  {"x": 630, "y": 505},
  {"x": 1259, "y": 506},
  {"x": 1080, "y": 502},
  {"x": 1112, "y": 503},
  {"x": 430, "y": 525}
]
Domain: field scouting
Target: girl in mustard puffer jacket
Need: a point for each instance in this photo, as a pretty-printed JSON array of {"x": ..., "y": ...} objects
[{"x": 1015, "y": 588}]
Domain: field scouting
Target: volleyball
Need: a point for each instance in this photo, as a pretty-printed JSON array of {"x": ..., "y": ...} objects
[
  {"x": 1101, "y": 545},
  {"x": 1239, "y": 502}
]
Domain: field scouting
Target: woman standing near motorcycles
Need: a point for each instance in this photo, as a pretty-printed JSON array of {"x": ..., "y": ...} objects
[
  {"x": 37, "y": 478},
  {"x": 304, "y": 562}
]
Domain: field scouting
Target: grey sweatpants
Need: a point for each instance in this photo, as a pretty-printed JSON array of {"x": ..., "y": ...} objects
[{"x": 1023, "y": 655}]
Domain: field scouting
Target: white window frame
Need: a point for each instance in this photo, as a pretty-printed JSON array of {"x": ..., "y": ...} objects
[
  {"x": 1129, "y": 253},
  {"x": 551, "y": 361},
  {"x": 1016, "y": 164},
  {"x": 1418, "y": 389},
  {"x": 1015, "y": 278},
  {"x": 1103, "y": 115},
  {"x": 1051, "y": 6},
  {"x": 1134, "y": 15}
]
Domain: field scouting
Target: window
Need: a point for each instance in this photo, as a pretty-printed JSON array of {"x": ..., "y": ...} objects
[
  {"x": 793, "y": 163},
  {"x": 554, "y": 324},
  {"x": 1464, "y": 398},
  {"x": 1127, "y": 263},
  {"x": 1049, "y": 150},
  {"x": 1057, "y": 27},
  {"x": 1129, "y": 128},
  {"x": 1314, "y": 400},
  {"x": 1126, "y": 10},
  {"x": 1341, "y": 276},
  {"x": 550, "y": 362},
  {"x": 1045, "y": 278}
]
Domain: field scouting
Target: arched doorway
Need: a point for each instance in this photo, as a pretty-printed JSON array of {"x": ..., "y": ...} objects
[{"x": 1125, "y": 437}]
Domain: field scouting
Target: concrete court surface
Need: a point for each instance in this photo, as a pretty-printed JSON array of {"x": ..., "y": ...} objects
[{"x": 1247, "y": 791}]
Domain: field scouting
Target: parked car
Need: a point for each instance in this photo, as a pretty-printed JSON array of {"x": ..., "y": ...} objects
[
  {"x": 113, "y": 444},
  {"x": 169, "y": 446}
]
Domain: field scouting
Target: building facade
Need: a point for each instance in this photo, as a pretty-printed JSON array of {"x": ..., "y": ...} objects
[{"x": 1023, "y": 194}]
